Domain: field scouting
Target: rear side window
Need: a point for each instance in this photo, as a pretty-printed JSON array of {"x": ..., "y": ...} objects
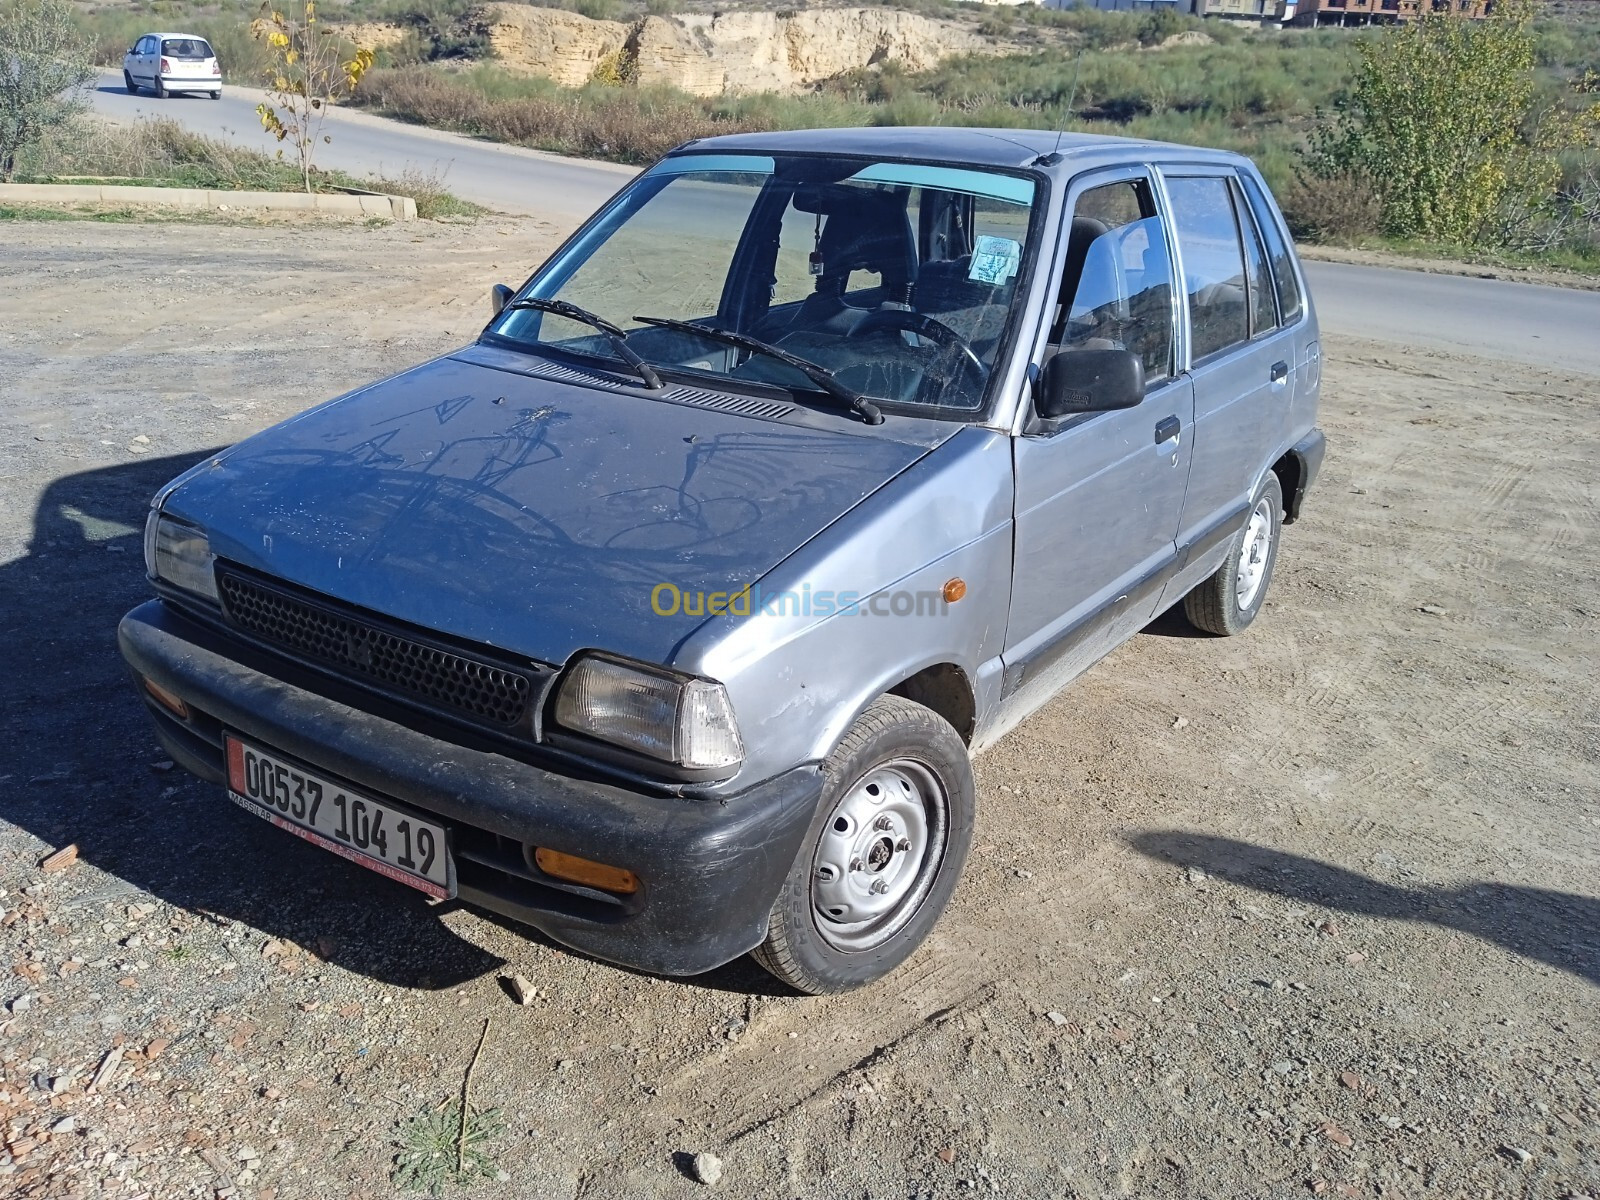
[
  {"x": 1289, "y": 301},
  {"x": 1263, "y": 304},
  {"x": 187, "y": 48},
  {"x": 1213, "y": 263}
]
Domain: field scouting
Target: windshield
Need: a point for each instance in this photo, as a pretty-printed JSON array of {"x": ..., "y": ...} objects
[{"x": 898, "y": 278}]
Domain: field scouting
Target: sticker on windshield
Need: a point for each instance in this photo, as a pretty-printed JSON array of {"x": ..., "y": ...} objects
[{"x": 994, "y": 259}]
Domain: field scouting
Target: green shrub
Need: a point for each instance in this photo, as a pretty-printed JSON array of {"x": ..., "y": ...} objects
[
  {"x": 442, "y": 28},
  {"x": 1442, "y": 119}
]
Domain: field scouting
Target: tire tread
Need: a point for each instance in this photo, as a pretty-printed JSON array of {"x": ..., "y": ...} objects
[
  {"x": 1210, "y": 605},
  {"x": 887, "y": 715}
]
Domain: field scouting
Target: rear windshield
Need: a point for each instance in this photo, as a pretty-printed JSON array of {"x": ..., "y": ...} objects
[{"x": 186, "y": 48}]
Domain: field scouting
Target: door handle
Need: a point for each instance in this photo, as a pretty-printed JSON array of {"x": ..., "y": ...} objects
[
  {"x": 1280, "y": 372},
  {"x": 1167, "y": 429}
]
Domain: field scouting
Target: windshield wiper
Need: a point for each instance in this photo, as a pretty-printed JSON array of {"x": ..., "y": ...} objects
[
  {"x": 616, "y": 336},
  {"x": 818, "y": 375}
]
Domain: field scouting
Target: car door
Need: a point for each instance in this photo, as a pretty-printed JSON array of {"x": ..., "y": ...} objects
[
  {"x": 1098, "y": 495},
  {"x": 1241, "y": 361},
  {"x": 147, "y": 59}
]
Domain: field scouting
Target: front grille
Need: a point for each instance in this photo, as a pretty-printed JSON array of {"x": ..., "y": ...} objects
[{"x": 358, "y": 647}]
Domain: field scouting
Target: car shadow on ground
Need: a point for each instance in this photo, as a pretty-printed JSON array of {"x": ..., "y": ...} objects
[
  {"x": 1561, "y": 929},
  {"x": 79, "y": 763}
]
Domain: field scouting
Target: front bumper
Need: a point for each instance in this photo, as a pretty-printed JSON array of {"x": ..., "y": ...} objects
[{"x": 709, "y": 870}]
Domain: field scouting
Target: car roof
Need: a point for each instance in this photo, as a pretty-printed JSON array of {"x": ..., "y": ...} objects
[
  {"x": 192, "y": 36},
  {"x": 972, "y": 147}
]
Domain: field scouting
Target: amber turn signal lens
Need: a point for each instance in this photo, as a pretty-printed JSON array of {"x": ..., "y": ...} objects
[
  {"x": 167, "y": 700},
  {"x": 580, "y": 870},
  {"x": 954, "y": 589}
]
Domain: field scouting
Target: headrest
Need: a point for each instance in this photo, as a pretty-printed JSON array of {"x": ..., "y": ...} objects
[{"x": 865, "y": 230}]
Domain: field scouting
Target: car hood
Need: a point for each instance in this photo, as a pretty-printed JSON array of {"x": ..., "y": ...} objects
[{"x": 529, "y": 514}]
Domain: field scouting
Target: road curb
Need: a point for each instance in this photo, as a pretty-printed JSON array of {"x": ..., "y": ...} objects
[{"x": 367, "y": 204}]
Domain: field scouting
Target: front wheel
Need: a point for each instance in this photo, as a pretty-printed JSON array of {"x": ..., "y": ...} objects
[
  {"x": 129, "y": 84},
  {"x": 883, "y": 857},
  {"x": 1229, "y": 600}
]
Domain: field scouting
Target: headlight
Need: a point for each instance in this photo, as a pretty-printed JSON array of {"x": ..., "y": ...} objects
[
  {"x": 179, "y": 555},
  {"x": 684, "y": 721}
]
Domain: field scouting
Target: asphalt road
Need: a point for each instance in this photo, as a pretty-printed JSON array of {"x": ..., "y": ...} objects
[
  {"x": 507, "y": 178},
  {"x": 1525, "y": 323}
]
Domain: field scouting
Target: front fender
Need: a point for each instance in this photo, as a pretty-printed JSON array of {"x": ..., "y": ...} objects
[{"x": 860, "y": 608}]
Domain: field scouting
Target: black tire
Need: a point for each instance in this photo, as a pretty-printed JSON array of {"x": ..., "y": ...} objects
[
  {"x": 160, "y": 89},
  {"x": 217, "y": 95},
  {"x": 1214, "y": 606},
  {"x": 127, "y": 82},
  {"x": 895, "y": 739}
]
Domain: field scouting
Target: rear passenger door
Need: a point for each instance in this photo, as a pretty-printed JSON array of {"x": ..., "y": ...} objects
[{"x": 1241, "y": 360}]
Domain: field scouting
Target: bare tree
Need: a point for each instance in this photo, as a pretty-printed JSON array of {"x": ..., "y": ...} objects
[
  {"x": 44, "y": 63},
  {"x": 309, "y": 75}
]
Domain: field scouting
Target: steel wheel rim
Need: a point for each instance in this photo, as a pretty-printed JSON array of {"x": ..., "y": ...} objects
[
  {"x": 1253, "y": 555},
  {"x": 877, "y": 856}
]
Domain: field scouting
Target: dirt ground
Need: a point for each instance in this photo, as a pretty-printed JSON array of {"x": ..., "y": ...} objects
[{"x": 1312, "y": 911}]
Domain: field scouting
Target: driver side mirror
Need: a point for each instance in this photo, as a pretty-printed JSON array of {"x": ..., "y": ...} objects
[
  {"x": 499, "y": 296},
  {"x": 1089, "y": 381}
]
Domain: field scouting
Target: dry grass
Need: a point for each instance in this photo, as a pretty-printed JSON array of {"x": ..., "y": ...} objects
[
  {"x": 162, "y": 153},
  {"x": 623, "y": 124}
]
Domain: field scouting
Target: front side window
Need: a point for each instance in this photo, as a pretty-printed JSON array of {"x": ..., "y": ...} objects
[
  {"x": 1213, "y": 263},
  {"x": 899, "y": 279},
  {"x": 1116, "y": 285}
]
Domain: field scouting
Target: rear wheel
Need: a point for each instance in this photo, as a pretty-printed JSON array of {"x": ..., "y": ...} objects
[
  {"x": 127, "y": 82},
  {"x": 1226, "y": 603},
  {"x": 217, "y": 95},
  {"x": 883, "y": 857},
  {"x": 160, "y": 89}
]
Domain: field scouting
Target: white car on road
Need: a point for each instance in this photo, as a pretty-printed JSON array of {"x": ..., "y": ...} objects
[{"x": 166, "y": 63}]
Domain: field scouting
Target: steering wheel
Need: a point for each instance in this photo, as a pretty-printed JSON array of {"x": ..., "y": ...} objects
[{"x": 923, "y": 326}]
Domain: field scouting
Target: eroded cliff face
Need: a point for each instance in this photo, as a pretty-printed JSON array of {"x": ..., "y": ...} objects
[
  {"x": 766, "y": 51},
  {"x": 564, "y": 46},
  {"x": 708, "y": 55}
]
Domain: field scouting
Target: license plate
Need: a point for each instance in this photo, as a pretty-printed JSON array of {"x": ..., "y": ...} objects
[{"x": 370, "y": 832}]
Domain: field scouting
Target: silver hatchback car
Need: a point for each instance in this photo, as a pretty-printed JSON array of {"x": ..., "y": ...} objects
[
  {"x": 169, "y": 63},
  {"x": 667, "y": 616}
]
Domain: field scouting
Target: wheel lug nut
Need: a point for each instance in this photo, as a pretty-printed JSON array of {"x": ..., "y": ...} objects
[
  {"x": 855, "y": 864},
  {"x": 903, "y": 844},
  {"x": 881, "y": 823},
  {"x": 880, "y": 886}
]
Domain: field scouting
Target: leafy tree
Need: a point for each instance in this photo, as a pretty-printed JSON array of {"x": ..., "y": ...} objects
[
  {"x": 1444, "y": 124},
  {"x": 308, "y": 77},
  {"x": 44, "y": 63},
  {"x": 1158, "y": 25}
]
